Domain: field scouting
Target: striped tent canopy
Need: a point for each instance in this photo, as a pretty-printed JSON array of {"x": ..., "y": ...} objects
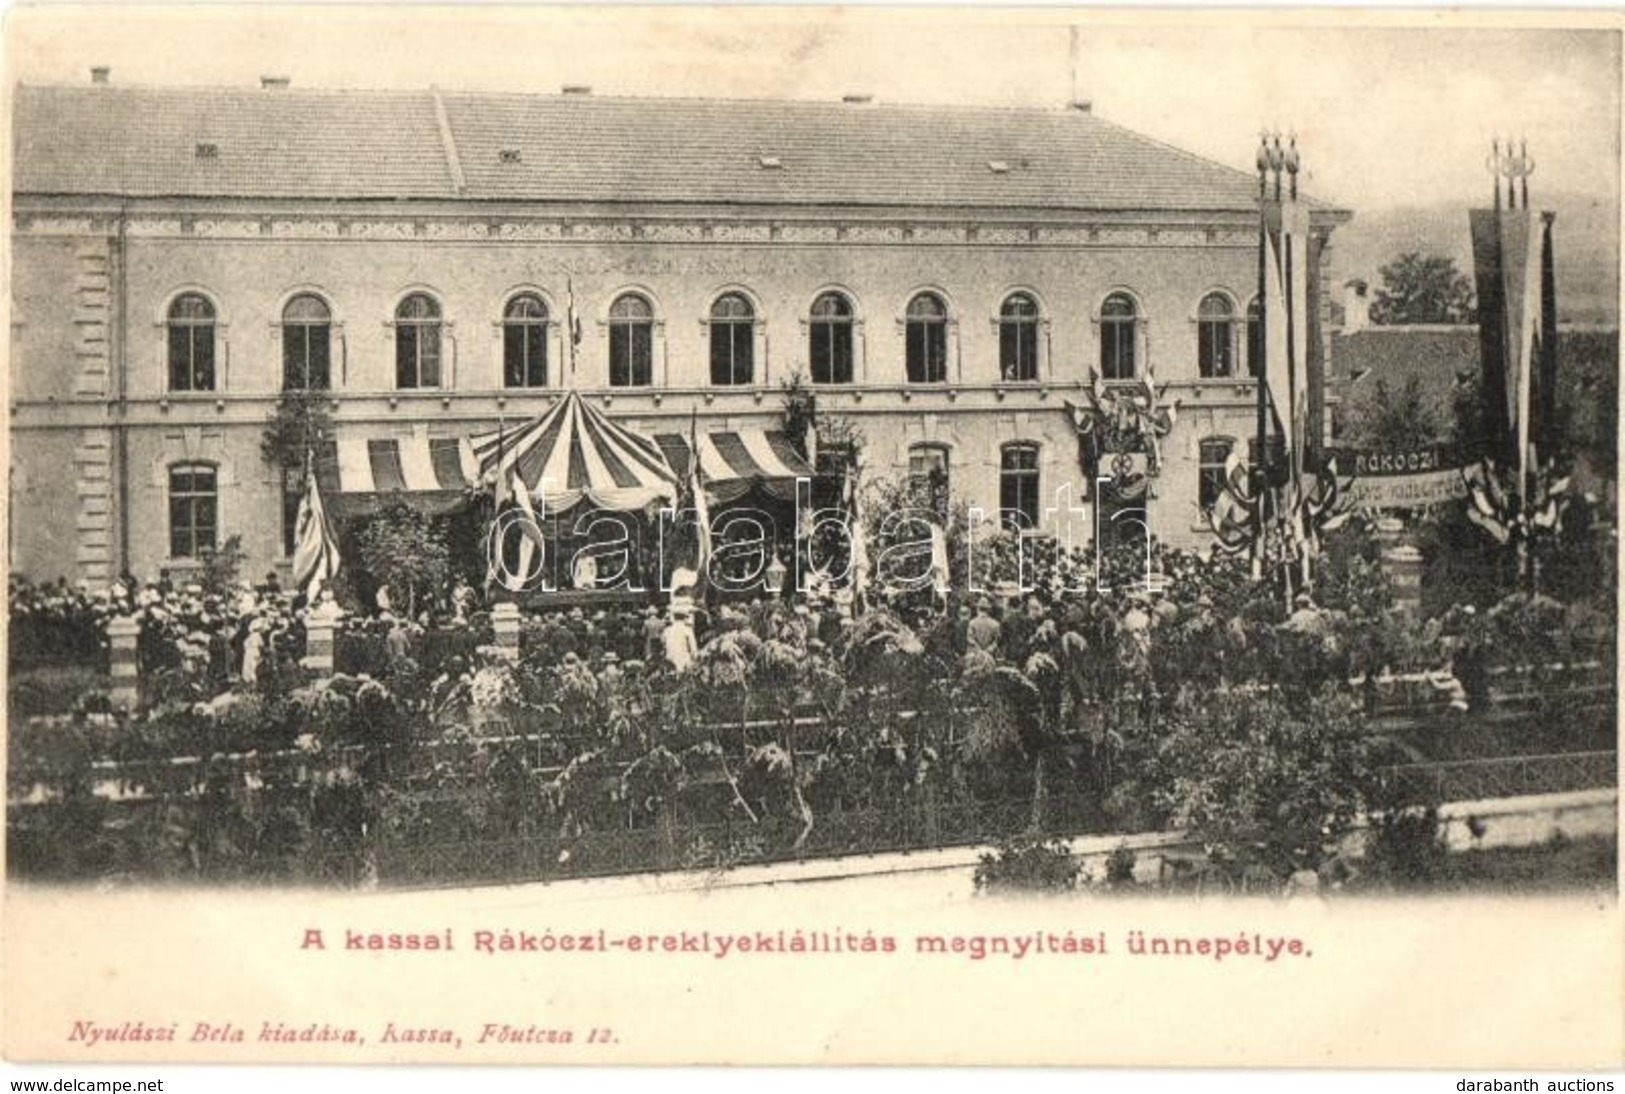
[
  {"x": 735, "y": 461},
  {"x": 358, "y": 474},
  {"x": 573, "y": 453}
]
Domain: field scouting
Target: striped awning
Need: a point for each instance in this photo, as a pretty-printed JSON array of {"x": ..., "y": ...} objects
[
  {"x": 733, "y": 461},
  {"x": 359, "y": 473},
  {"x": 573, "y": 453}
]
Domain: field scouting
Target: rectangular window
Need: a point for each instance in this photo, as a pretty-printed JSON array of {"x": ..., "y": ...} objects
[
  {"x": 191, "y": 357},
  {"x": 1018, "y": 487},
  {"x": 1018, "y": 351},
  {"x": 928, "y": 474},
  {"x": 1210, "y": 484},
  {"x": 306, "y": 357},
  {"x": 192, "y": 511},
  {"x": 731, "y": 353},
  {"x": 927, "y": 353},
  {"x": 1117, "y": 349},
  {"x": 417, "y": 355},
  {"x": 1214, "y": 349},
  {"x": 831, "y": 349},
  {"x": 631, "y": 353},
  {"x": 524, "y": 351}
]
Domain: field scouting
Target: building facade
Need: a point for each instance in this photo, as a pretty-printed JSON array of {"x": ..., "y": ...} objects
[{"x": 946, "y": 279}]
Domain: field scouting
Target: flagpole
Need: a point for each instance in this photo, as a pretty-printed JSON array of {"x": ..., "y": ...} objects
[
  {"x": 1261, "y": 470},
  {"x": 572, "y": 322}
]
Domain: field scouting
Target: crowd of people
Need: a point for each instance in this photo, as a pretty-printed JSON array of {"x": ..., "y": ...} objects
[
  {"x": 222, "y": 634},
  {"x": 1200, "y": 621}
]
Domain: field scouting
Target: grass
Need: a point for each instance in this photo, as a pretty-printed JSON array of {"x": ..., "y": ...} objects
[
  {"x": 50, "y": 689},
  {"x": 1560, "y": 865}
]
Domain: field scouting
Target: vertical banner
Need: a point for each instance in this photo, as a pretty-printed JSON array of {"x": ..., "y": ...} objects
[
  {"x": 1295, "y": 228},
  {"x": 1277, "y": 342},
  {"x": 1546, "y": 355},
  {"x": 1520, "y": 268},
  {"x": 1492, "y": 333}
]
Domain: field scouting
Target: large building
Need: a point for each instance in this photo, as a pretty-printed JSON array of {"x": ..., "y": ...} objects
[{"x": 946, "y": 278}]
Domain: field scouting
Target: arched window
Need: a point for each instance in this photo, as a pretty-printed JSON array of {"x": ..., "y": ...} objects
[
  {"x": 928, "y": 474},
  {"x": 733, "y": 340},
  {"x": 1255, "y": 338},
  {"x": 307, "y": 340},
  {"x": 417, "y": 342},
  {"x": 1018, "y": 338},
  {"x": 1215, "y": 336},
  {"x": 524, "y": 342},
  {"x": 1212, "y": 453},
  {"x": 926, "y": 331},
  {"x": 1119, "y": 320},
  {"x": 191, "y": 343},
  {"x": 193, "y": 510},
  {"x": 829, "y": 339},
  {"x": 1018, "y": 486},
  {"x": 631, "y": 341}
]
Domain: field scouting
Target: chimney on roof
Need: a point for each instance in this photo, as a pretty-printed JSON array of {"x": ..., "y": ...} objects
[
  {"x": 99, "y": 74},
  {"x": 275, "y": 83},
  {"x": 577, "y": 89},
  {"x": 1356, "y": 305},
  {"x": 1082, "y": 106},
  {"x": 857, "y": 99}
]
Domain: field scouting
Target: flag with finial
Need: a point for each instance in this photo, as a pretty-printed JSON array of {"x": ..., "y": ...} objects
[
  {"x": 1284, "y": 307},
  {"x": 316, "y": 547},
  {"x": 1517, "y": 316}
]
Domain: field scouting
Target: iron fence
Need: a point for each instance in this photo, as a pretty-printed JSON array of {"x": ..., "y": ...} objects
[{"x": 1508, "y": 776}]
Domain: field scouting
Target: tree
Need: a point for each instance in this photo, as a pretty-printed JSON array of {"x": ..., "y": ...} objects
[
  {"x": 407, "y": 551},
  {"x": 801, "y": 418},
  {"x": 1418, "y": 288},
  {"x": 297, "y": 425},
  {"x": 1391, "y": 421},
  {"x": 800, "y": 412},
  {"x": 1264, "y": 783}
]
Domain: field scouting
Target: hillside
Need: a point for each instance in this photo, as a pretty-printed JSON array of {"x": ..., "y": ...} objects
[{"x": 1586, "y": 240}]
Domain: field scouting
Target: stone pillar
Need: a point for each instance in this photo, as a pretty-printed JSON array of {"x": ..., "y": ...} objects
[
  {"x": 319, "y": 628},
  {"x": 123, "y": 633},
  {"x": 1403, "y": 564},
  {"x": 505, "y": 624}
]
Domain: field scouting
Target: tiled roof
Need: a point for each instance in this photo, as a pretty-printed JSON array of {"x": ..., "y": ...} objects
[
  {"x": 1434, "y": 355},
  {"x": 351, "y": 144},
  {"x": 143, "y": 142}
]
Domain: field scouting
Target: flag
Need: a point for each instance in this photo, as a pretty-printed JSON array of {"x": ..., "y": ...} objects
[
  {"x": 572, "y": 321},
  {"x": 939, "y": 561},
  {"x": 500, "y": 486},
  {"x": 316, "y": 547},
  {"x": 497, "y": 479},
  {"x": 858, "y": 559},
  {"x": 1233, "y": 517},
  {"x": 1517, "y": 306},
  {"x": 702, "y": 508},
  {"x": 1285, "y": 315},
  {"x": 688, "y": 579},
  {"x": 531, "y": 543}
]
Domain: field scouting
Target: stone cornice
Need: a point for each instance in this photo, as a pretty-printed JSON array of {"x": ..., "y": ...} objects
[
  {"x": 410, "y": 407},
  {"x": 468, "y": 223}
]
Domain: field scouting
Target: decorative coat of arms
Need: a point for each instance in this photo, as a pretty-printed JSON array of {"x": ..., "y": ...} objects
[{"x": 1118, "y": 423}]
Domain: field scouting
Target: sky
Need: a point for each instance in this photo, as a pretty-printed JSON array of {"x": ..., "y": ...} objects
[{"x": 1386, "y": 115}]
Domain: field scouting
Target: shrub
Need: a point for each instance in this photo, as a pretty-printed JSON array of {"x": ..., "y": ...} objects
[
  {"x": 1406, "y": 846},
  {"x": 1028, "y": 863},
  {"x": 1120, "y": 866}
]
